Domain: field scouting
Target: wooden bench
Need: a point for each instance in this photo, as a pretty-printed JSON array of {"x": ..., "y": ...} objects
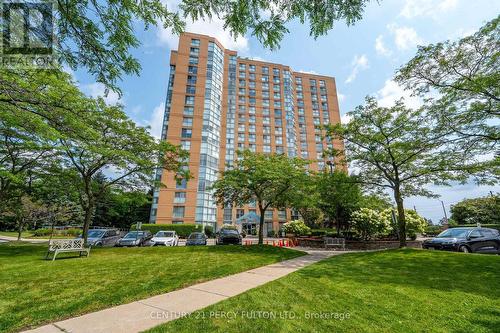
[
  {"x": 334, "y": 242},
  {"x": 67, "y": 245}
]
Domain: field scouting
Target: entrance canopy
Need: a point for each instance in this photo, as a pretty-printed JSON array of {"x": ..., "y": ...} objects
[{"x": 249, "y": 217}]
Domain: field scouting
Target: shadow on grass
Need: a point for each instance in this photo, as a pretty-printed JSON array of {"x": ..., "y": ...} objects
[{"x": 478, "y": 274}]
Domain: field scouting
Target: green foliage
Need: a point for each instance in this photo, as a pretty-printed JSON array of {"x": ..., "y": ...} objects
[
  {"x": 368, "y": 223},
  {"x": 414, "y": 222},
  {"x": 432, "y": 230},
  {"x": 297, "y": 227},
  {"x": 73, "y": 232},
  {"x": 270, "y": 180},
  {"x": 182, "y": 230},
  {"x": 339, "y": 196},
  {"x": 485, "y": 210},
  {"x": 462, "y": 80},
  {"x": 209, "y": 231},
  {"x": 402, "y": 150}
]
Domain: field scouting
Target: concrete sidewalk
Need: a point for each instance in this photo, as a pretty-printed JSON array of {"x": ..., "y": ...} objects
[{"x": 147, "y": 313}]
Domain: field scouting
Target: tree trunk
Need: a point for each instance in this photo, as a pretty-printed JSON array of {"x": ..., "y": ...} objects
[
  {"x": 20, "y": 230},
  {"x": 261, "y": 224},
  {"x": 401, "y": 217},
  {"x": 86, "y": 222}
]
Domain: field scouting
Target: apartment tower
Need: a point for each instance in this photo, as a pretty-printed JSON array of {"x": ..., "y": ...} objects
[{"x": 218, "y": 103}]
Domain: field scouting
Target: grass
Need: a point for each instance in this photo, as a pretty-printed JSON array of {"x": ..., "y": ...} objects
[
  {"x": 391, "y": 291},
  {"x": 29, "y": 234},
  {"x": 36, "y": 291}
]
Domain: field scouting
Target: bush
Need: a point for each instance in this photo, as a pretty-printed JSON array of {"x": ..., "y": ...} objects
[
  {"x": 42, "y": 232},
  {"x": 297, "y": 227},
  {"x": 72, "y": 232},
  {"x": 432, "y": 230},
  {"x": 368, "y": 222},
  {"x": 183, "y": 230},
  {"x": 209, "y": 231}
]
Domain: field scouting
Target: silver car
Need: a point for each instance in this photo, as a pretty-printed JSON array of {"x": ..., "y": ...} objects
[{"x": 102, "y": 237}]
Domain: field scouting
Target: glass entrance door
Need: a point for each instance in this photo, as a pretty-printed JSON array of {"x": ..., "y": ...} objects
[{"x": 250, "y": 228}]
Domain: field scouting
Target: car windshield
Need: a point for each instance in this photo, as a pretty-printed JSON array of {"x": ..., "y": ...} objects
[
  {"x": 134, "y": 234},
  {"x": 196, "y": 236},
  {"x": 95, "y": 233},
  {"x": 229, "y": 232},
  {"x": 452, "y": 233},
  {"x": 164, "y": 234}
]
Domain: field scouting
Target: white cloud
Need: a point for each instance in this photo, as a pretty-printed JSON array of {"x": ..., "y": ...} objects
[
  {"x": 99, "y": 90},
  {"x": 213, "y": 28},
  {"x": 340, "y": 97},
  {"x": 404, "y": 37},
  {"x": 156, "y": 121},
  {"x": 359, "y": 63},
  {"x": 429, "y": 8},
  {"x": 391, "y": 92},
  {"x": 380, "y": 47}
]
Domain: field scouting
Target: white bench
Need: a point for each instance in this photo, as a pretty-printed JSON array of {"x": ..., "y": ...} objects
[
  {"x": 67, "y": 245},
  {"x": 334, "y": 242}
]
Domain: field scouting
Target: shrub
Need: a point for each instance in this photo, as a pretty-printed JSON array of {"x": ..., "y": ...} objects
[
  {"x": 72, "y": 232},
  {"x": 414, "y": 222},
  {"x": 42, "y": 232},
  {"x": 432, "y": 230},
  {"x": 368, "y": 222},
  {"x": 209, "y": 231},
  {"x": 297, "y": 227},
  {"x": 183, "y": 230}
]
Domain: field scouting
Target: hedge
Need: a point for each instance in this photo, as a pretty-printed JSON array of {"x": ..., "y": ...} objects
[{"x": 183, "y": 230}]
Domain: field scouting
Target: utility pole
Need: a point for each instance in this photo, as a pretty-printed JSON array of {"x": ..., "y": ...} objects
[{"x": 444, "y": 211}]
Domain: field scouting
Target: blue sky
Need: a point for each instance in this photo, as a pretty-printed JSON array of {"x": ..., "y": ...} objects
[{"x": 362, "y": 58}]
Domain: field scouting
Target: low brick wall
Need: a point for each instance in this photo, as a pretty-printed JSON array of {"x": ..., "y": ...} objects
[{"x": 359, "y": 245}]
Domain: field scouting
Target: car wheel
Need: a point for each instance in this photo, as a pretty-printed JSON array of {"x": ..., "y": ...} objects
[
  {"x": 464, "y": 249},
  {"x": 98, "y": 245}
]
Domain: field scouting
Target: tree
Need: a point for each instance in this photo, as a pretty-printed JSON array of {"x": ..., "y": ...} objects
[
  {"x": 271, "y": 180},
  {"x": 483, "y": 210},
  {"x": 464, "y": 75},
  {"x": 98, "y": 35},
  {"x": 414, "y": 222},
  {"x": 339, "y": 196},
  {"x": 368, "y": 222},
  {"x": 402, "y": 150},
  {"x": 25, "y": 211},
  {"x": 114, "y": 143}
]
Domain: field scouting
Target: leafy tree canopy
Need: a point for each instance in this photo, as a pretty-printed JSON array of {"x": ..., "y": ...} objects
[
  {"x": 270, "y": 180},
  {"x": 402, "y": 150},
  {"x": 98, "y": 35},
  {"x": 462, "y": 81},
  {"x": 484, "y": 210}
]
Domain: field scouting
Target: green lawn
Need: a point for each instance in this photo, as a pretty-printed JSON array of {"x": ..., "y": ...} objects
[
  {"x": 29, "y": 234},
  {"x": 35, "y": 291},
  {"x": 391, "y": 291}
]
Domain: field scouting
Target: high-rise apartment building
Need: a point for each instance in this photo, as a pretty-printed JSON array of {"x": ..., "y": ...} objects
[{"x": 219, "y": 103}]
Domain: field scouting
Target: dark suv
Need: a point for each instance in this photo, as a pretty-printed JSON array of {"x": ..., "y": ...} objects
[
  {"x": 481, "y": 240},
  {"x": 228, "y": 236}
]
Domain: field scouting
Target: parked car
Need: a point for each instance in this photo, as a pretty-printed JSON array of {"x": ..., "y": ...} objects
[
  {"x": 165, "y": 238},
  {"x": 196, "y": 238},
  {"x": 482, "y": 240},
  {"x": 102, "y": 237},
  {"x": 228, "y": 236},
  {"x": 135, "y": 238}
]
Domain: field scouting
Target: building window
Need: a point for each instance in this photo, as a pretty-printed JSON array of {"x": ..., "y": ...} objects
[
  {"x": 192, "y": 70},
  {"x": 195, "y": 42},
  {"x": 188, "y": 110},
  {"x": 186, "y": 133},
  {"x": 180, "y": 197},
  {"x": 189, "y": 100},
  {"x": 188, "y": 122},
  {"x": 177, "y": 222},
  {"x": 240, "y": 213},
  {"x": 251, "y": 68},
  {"x": 186, "y": 145},
  {"x": 190, "y": 90},
  {"x": 178, "y": 212}
]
